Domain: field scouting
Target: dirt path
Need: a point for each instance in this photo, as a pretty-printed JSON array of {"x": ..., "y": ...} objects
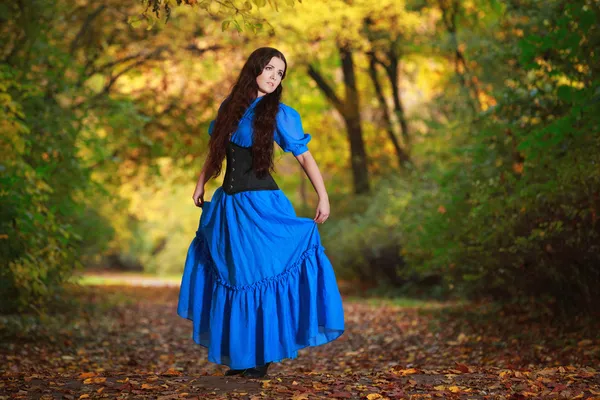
[{"x": 128, "y": 342}]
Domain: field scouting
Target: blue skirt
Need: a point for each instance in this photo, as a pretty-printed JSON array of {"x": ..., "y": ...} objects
[{"x": 257, "y": 284}]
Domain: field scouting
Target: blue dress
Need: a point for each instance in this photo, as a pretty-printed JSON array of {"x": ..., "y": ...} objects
[{"x": 257, "y": 284}]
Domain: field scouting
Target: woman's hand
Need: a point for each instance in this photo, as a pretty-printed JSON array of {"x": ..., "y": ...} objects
[
  {"x": 198, "y": 195},
  {"x": 322, "y": 211},
  {"x": 311, "y": 168}
]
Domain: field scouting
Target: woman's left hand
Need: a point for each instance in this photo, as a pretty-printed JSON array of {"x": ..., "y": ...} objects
[{"x": 322, "y": 211}]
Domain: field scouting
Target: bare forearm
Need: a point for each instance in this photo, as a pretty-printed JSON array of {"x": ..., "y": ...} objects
[
  {"x": 311, "y": 169},
  {"x": 206, "y": 173}
]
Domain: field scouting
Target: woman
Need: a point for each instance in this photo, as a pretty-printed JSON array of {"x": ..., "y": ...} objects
[{"x": 257, "y": 283}]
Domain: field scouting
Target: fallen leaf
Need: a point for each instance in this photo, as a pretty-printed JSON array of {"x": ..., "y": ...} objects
[
  {"x": 300, "y": 396},
  {"x": 462, "y": 368},
  {"x": 341, "y": 395},
  {"x": 172, "y": 372}
]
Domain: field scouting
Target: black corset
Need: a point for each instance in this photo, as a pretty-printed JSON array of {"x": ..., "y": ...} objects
[{"x": 239, "y": 175}]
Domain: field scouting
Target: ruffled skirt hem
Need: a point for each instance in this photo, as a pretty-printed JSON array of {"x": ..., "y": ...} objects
[{"x": 269, "y": 320}]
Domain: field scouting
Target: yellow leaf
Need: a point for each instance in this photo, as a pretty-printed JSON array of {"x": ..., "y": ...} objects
[
  {"x": 454, "y": 389},
  {"x": 374, "y": 396},
  {"x": 440, "y": 387},
  {"x": 266, "y": 383},
  {"x": 504, "y": 373},
  {"x": 408, "y": 371},
  {"x": 214, "y": 7},
  {"x": 547, "y": 371},
  {"x": 300, "y": 396},
  {"x": 171, "y": 371}
]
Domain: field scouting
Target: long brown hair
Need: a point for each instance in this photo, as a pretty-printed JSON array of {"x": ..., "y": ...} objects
[{"x": 233, "y": 108}]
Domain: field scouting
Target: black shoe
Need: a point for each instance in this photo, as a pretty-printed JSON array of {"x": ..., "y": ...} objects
[
  {"x": 257, "y": 372},
  {"x": 231, "y": 372}
]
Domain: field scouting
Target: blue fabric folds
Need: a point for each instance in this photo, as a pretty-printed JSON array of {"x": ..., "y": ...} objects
[{"x": 257, "y": 284}]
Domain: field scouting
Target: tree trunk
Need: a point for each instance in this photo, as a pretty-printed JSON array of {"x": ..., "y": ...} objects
[
  {"x": 389, "y": 127},
  {"x": 392, "y": 73},
  {"x": 349, "y": 109},
  {"x": 449, "y": 13},
  {"x": 354, "y": 128}
]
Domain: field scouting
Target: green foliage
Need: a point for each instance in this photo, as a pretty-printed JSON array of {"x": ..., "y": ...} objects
[
  {"x": 38, "y": 242},
  {"x": 48, "y": 219},
  {"x": 243, "y": 15},
  {"x": 511, "y": 210},
  {"x": 359, "y": 244},
  {"x": 104, "y": 132}
]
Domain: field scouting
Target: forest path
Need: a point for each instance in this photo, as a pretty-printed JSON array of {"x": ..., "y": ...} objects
[{"x": 127, "y": 341}]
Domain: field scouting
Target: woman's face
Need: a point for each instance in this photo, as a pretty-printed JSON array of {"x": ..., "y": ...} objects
[{"x": 270, "y": 77}]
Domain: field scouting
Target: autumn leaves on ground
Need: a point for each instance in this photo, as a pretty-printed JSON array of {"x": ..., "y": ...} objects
[{"x": 126, "y": 341}]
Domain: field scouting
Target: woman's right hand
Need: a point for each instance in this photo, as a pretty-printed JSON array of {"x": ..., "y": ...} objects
[{"x": 198, "y": 195}]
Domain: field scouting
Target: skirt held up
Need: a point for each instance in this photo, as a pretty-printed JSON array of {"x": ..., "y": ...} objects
[{"x": 257, "y": 284}]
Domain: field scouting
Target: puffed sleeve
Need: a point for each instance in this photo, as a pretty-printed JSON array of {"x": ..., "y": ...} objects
[{"x": 289, "y": 134}]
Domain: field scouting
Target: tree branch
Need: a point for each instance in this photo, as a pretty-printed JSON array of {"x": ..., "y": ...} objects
[
  {"x": 113, "y": 79},
  {"x": 84, "y": 28},
  {"x": 325, "y": 88}
]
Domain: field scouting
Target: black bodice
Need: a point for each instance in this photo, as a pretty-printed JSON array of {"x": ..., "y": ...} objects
[{"x": 239, "y": 175}]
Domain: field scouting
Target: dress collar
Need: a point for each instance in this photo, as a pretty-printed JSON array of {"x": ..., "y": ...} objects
[{"x": 256, "y": 100}]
